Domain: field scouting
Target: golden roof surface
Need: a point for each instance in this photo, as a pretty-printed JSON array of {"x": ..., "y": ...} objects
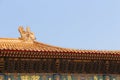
[
  {"x": 18, "y": 44},
  {"x": 27, "y": 42}
]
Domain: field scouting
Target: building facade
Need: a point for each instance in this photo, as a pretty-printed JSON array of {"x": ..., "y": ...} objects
[{"x": 24, "y": 58}]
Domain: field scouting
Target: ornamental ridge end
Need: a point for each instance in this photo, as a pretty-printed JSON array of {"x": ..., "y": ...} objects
[{"x": 26, "y": 35}]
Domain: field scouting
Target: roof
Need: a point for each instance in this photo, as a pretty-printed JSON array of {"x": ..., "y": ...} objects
[
  {"x": 18, "y": 44},
  {"x": 21, "y": 45},
  {"x": 27, "y": 42}
]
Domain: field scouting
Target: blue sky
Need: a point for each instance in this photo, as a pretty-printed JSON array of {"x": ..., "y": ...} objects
[{"x": 80, "y": 24}]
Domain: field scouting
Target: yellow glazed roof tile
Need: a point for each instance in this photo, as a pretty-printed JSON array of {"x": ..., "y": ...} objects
[
  {"x": 27, "y": 42},
  {"x": 18, "y": 44}
]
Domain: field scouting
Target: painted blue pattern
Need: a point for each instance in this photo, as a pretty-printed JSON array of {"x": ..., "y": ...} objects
[{"x": 61, "y": 76}]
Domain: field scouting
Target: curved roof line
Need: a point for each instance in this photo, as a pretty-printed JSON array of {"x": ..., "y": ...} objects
[
  {"x": 27, "y": 42},
  {"x": 18, "y": 44}
]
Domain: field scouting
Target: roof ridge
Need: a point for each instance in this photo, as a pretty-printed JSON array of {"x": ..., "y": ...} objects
[
  {"x": 10, "y": 38},
  {"x": 48, "y": 46}
]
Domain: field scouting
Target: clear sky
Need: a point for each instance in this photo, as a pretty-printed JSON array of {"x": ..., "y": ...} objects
[{"x": 80, "y": 24}]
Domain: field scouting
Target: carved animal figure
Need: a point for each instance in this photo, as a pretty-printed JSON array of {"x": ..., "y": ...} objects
[{"x": 26, "y": 35}]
